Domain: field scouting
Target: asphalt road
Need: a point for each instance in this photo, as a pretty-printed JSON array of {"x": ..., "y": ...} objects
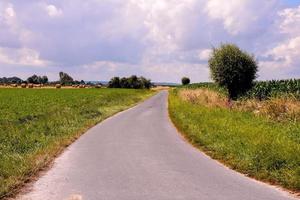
[{"x": 139, "y": 155}]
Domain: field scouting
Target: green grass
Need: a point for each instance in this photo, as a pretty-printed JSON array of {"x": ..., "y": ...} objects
[
  {"x": 253, "y": 145},
  {"x": 36, "y": 125}
]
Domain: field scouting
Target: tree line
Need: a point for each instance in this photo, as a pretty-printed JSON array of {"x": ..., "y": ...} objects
[
  {"x": 133, "y": 82},
  {"x": 65, "y": 79}
]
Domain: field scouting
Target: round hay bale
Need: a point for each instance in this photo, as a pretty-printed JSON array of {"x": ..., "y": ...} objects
[
  {"x": 58, "y": 86},
  {"x": 30, "y": 85},
  {"x": 14, "y": 85},
  {"x": 98, "y": 86},
  {"x": 23, "y": 85},
  {"x": 37, "y": 85}
]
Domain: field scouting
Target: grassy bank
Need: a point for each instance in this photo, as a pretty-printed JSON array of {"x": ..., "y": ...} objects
[
  {"x": 254, "y": 145},
  {"x": 35, "y": 125}
]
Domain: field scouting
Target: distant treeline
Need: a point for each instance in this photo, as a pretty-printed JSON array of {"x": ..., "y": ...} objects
[
  {"x": 261, "y": 89},
  {"x": 11, "y": 80},
  {"x": 65, "y": 79},
  {"x": 133, "y": 82}
]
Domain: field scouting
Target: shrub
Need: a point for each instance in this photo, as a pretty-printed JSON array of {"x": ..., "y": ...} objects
[
  {"x": 233, "y": 69},
  {"x": 185, "y": 81}
]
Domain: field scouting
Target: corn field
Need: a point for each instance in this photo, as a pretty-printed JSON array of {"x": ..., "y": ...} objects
[
  {"x": 266, "y": 89},
  {"x": 262, "y": 89}
]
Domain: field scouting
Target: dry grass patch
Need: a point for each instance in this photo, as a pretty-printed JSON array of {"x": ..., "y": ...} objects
[{"x": 205, "y": 97}]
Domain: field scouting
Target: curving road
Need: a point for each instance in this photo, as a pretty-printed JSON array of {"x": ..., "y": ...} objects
[{"x": 139, "y": 155}]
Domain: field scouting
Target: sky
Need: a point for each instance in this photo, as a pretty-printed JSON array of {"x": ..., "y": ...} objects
[{"x": 163, "y": 40}]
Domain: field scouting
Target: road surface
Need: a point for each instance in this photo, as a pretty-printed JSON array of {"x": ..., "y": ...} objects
[{"x": 139, "y": 155}]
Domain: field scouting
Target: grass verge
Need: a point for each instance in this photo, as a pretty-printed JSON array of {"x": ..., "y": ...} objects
[
  {"x": 36, "y": 125},
  {"x": 256, "y": 146}
]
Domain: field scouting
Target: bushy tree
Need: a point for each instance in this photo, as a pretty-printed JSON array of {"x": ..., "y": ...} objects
[
  {"x": 146, "y": 82},
  {"x": 44, "y": 79},
  {"x": 65, "y": 78},
  {"x": 185, "y": 81},
  {"x": 33, "y": 79},
  {"x": 114, "y": 83},
  {"x": 233, "y": 69},
  {"x": 124, "y": 83}
]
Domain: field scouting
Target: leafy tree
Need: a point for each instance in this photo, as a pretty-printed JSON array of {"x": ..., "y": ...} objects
[
  {"x": 185, "y": 81},
  {"x": 114, "y": 83},
  {"x": 37, "y": 79},
  {"x": 146, "y": 82},
  {"x": 33, "y": 79},
  {"x": 44, "y": 79},
  {"x": 233, "y": 69},
  {"x": 65, "y": 78},
  {"x": 124, "y": 83}
]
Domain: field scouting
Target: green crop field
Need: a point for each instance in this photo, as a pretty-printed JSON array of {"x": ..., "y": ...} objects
[
  {"x": 261, "y": 90},
  {"x": 263, "y": 147},
  {"x": 36, "y": 125}
]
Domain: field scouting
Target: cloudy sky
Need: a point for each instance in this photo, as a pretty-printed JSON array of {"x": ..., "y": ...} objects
[{"x": 160, "y": 39}]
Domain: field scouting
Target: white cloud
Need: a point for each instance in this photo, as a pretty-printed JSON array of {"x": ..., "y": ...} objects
[
  {"x": 9, "y": 12},
  {"x": 285, "y": 53},
  {"x": 23, "y": 57},
  {"x": 53, "y": 11},
  {"x": 205, "y": 54},
  {"x": 240, "y": 16},
  {"x": 290, "y": 23}
]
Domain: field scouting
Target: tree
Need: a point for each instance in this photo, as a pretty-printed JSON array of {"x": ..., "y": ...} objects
[
  {"x": 234, "y": 69},
  {"x": 44, "y": 79},
  {"x": 133, "y": 82},
  {"x": 185, "y": 81},
  {"x": 10, "y": 80},
  {"x": 114, "y": 83},
  {"x": 65, "y": 78},
  {"x": 124, "y": 83},
  {"x": 37, "y": 79},
  {"x": 146, "y": 83},
  {"x": 33, "y": 79}
]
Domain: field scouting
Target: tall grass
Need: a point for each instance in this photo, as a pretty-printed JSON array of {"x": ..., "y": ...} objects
[
  {"x": 255, "y": 145},
  {"x": 279, "y": 109},
  {"x": 35, "y": 125}
]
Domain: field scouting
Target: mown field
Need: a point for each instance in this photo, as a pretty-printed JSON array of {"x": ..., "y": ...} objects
[
  {"x": 37, "y": 124},
  {"x": 258, "y": 138}
]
